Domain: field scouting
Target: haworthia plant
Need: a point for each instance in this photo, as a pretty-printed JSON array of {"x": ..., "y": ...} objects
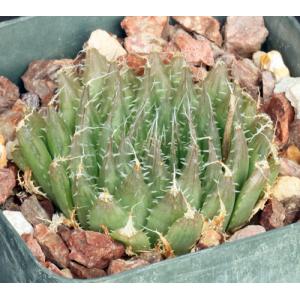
[{"x": 150, "y": 158}]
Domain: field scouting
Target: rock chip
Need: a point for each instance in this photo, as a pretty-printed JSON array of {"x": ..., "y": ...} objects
[
  {"x": 268, "y": 84},
  {"x": 285, "y": 187},
  {"x": 93, "y": 249},
  {"x": 34, "y": 212},
  {"x": 247, "y": 75},
  {"x": 273, "y": 62},
  {"x": 273, "y": 215},
  {"x": 282, "y": 114},
  {"x": 7, "y": 183},
  {"x": 289, "y": 168},
  {"x": 152, "y": 25},
  {"x": 256, "y": 57},
  {"x": 196, "y": 52},
  {"x": 64, "y": 232},
  {"x": 292, "y": 210},
  {"x": 199, "y": 73},
  {"x": 285, "y": 83},
  {"x": 217, "y": 51},
  {"x": 151, "y": 256},
  {"x": 18, "y": 222},
  {"x": 204, "y": 25},
  {"x": 10, "y": 119},
  {"x": 34, "y": 247},
  {"x": 121, "y": 265},
  {"x": 52, "y": 245},
  {"x": 67, "y": 273},
  {"x": 293, "y": 153},
  {"x": 3, "y": 153},
  {"x": 291, "y": 87},
  {"x": 227, "y": 58},
  {"x": 136, "y": 63},
  {"x": 294, "y": 133},
  {"x": 293, "y": 95},
  {"x": 209, "y": 238},
  {"x": 82, "y": 272},
  {"x": 40, "y": 77},
  {"x": 47, "y": 205},
  {"x": 144, "y": 43},
  {"x": 244, "y": 35},
  {"x": 247, "y": 231},
  {"x": 11, "y": 204},
  {"x": 53, "y": 268},
  {"x": 31, "y": 100},
  {"x": 106, "y": 44},
  {"x": 9, "y": 94},
  {"x": 169, "y": 50}
]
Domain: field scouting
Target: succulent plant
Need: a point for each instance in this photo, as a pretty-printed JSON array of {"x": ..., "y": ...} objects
[{"x": 150, "y": 159}]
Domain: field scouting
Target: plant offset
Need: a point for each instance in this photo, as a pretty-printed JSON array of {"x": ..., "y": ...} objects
[{"x": 153, "y": 160}]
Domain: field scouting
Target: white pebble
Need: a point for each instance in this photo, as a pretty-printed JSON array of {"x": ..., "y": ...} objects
[
  {"x": 285, "y": 83},
  {"x": 273, "y": 62},
  {"x": 106, "y": 45},
  {"x": 293, "y": 95},
  {"x": 18, "y": 221}
]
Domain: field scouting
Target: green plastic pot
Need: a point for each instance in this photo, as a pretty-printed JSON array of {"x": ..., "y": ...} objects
[{"x": 269, "y": 257}]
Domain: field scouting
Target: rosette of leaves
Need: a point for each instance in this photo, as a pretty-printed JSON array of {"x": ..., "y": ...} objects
[{"x": 150, "y": 159}]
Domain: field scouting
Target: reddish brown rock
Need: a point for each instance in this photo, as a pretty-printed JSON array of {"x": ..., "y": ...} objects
[
  {"x": 136, "y": 63},
  {"x": 168, "y": 52},
  {"x": 244, "y": 35},
  {"x": 64, "y": 232},
  {"x": 273, "y": 215},
  {"x": 282, "y": 114},
  {"x": 196, "y": 52},
  {"x": 52, "y": 245},
  {"x": 136, "y": 25},
  {"x": 289, "y": 168},
  {"x": 9, "y": 94},
  {"x": 121, "y": 265},
  {"x": 268, "y": 84},
  {"x": 151, "y": 256},
  {"x": 47, "y": 205},
  {"x": 209, "y": 238},
  {"x": 41, "y": 75},
  {"x": 34, "y": 212},
  {"x": 53, "y": 268},
  {"x": 247, "y": 75},
  {"x": 144, "y": 43},
  {"x": 82, "y": 272},
  {"x": 10, "y": 119},
  {"x": 204, "y": 25},
  {"x": 34, "y": 247},
  {"x": 7, "y": 183},
  {"x": 247, "y": 231},
  {"x": 93, "y": 249}
]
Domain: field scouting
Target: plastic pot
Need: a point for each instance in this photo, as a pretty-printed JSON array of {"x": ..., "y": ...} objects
[{"x": 268, "y": 257}]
